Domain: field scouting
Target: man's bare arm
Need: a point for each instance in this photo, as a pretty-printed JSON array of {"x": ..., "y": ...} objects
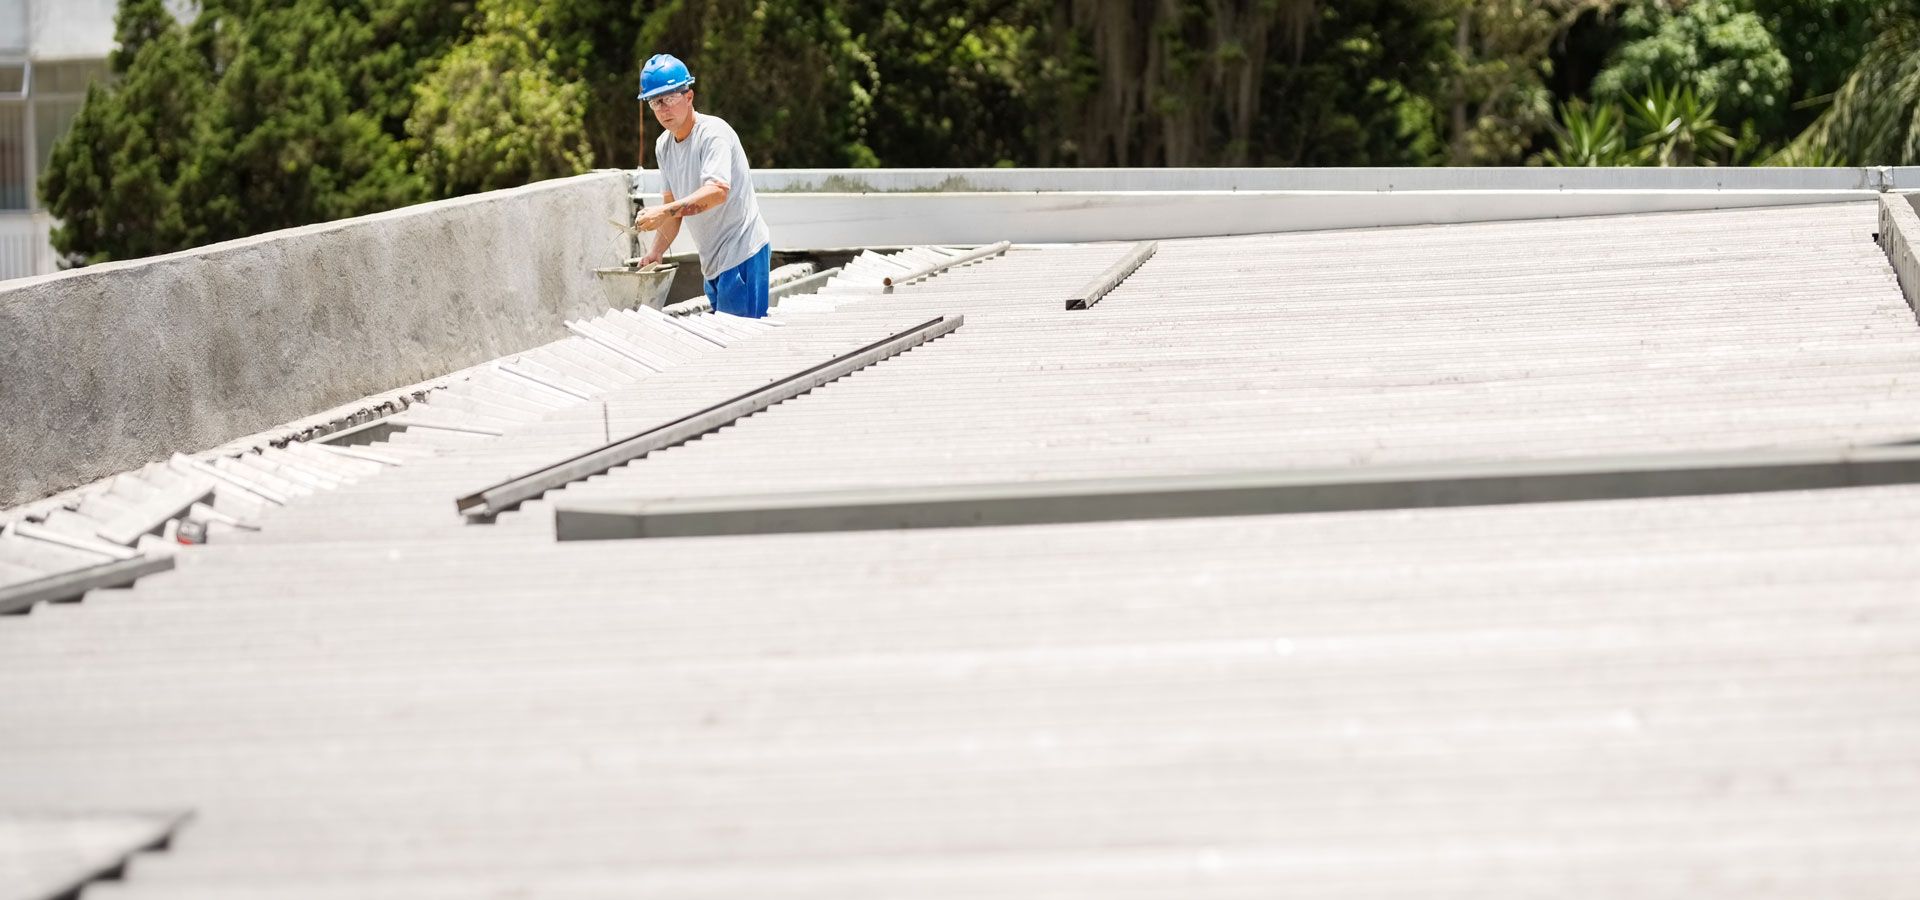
[
  {"x": 707, "y": 197},
  {"x": 664, "y": 232}
]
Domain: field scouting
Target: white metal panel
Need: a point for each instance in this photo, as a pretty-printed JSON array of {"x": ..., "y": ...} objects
[
  {"x": 820, "y": 221},
  {"x": 1372, "y": 179}
]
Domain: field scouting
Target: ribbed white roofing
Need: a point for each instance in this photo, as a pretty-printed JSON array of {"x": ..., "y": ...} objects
[{"x": 1657, "y": 698}]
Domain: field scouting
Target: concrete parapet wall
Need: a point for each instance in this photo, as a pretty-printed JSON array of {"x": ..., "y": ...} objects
[
  {"x": 1899, "y": 230},
  {"x": 106, "y": 368}
]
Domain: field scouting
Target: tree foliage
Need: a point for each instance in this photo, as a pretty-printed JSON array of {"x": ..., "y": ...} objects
[
  {"x": 1823, "y": 41},
  {"x": 262, "y": 114},
  {"x": 1591, "y": 136},
  {"x": 1677, "y": 128},
  {"x": 492, "y": 113},
  {"x": 114, "y": 182},
  {"x": 1721, "y": 49},
  {"x": 1498, "y": 93},
  {"x": 1874, "y": 118},
  {"x": 265, "y": 114}
]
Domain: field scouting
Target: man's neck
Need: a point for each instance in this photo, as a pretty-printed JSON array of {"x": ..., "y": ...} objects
[{"x": 685, "y": 130}]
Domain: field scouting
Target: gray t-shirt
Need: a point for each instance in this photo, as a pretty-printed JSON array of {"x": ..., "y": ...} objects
[{"x": 732, "y": 232}]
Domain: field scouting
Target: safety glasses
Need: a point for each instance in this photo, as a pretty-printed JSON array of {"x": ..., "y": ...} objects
[{"x": 665, "y": 100}]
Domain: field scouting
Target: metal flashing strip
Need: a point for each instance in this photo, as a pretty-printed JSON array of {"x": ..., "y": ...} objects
[
  {"x": 1106, "y": 281},
  {"x": 510, "y": 493},
  {"x": 1242, "y": 493},
  {"x": 19, "y": 598},
  {"x": 935, "y": 268}
]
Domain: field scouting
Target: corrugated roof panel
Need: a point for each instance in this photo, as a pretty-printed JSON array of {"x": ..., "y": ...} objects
[{"x": 1675, "y": 697}]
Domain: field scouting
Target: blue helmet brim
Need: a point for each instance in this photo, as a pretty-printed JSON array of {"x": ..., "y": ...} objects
[{"x": 667, "y": 88}]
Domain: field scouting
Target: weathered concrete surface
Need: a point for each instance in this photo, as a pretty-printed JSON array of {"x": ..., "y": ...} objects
[
  {"x": 113, "y": 366},
  {"x": 1899, "y": 228}
]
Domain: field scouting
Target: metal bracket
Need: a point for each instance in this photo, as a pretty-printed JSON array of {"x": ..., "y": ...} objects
[
  {"x": 1087, "y": 296},
  {"x": 912, "y": 275}
]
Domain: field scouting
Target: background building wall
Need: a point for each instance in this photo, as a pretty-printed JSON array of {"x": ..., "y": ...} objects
[
  {"x": 50, "y": 50},
  {"x": 70, "y": 29}
]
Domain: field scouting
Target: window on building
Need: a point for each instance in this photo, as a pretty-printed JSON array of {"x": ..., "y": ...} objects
[
  {"x": 52, "y": 119},
  {"x": 55, "y": 93},
  {"x": 52, "y": 79},
  {"x": 14, "y": 168}
]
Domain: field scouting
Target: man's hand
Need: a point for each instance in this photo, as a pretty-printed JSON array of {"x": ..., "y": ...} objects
[
  {"x": 649, "y": 259},
  {"x": 651, "y": 218}
]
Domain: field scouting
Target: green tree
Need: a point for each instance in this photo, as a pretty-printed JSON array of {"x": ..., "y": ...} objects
[
  {"x": 1823, "y": 41},
  {"x": 263, "y": 114},
  {"x": 597, "y": 43},
  {"x": 1361, "y": 88},
  {"x": 1667, "y": 126},
  {"x": 113, "y": 182},
  {"x": 1677, "y": 128},
  {"x": 1591, "y": 136},
  {"x": 957, "y": 82},
  {"x": 1292, "y": 82},
  {"x": 307, "y": 121},
  {"x": 1505, "y": 61},
  {"x": 1874, "y": 118},
  {"x": 1721, "y": 49},
  {"x": 493, "y": 114},
  {"x": 791, "y": 77}
]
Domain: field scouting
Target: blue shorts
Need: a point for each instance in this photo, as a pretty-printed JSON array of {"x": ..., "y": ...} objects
[{"x": 742, "y": 290}]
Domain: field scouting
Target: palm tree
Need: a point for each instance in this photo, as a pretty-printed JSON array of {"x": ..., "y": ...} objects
[
  {"x": 1590, "y": 136},
  {"x": 1677, "y": 129},
  {"x": 1875, "y": 116}
]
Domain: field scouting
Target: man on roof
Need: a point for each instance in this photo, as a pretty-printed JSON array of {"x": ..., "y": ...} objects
[{"x": 710, "y": 186}]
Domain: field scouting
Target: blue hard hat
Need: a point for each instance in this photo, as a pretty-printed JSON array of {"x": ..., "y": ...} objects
[{"x": 663, "y": 74}]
